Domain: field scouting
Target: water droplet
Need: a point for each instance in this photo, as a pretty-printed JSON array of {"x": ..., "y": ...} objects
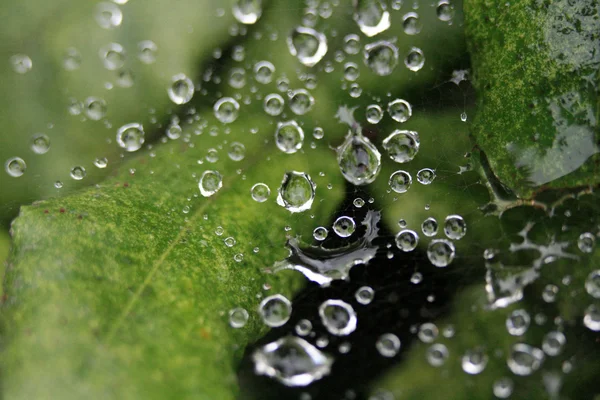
[
  {"x": 210, "y": 183},
  {"x": 320, "y": 233},
  {"x": 426, "y": 176},
  {"x": 371, "y": 16},
  {"x": 237, "y": 151},
  {"x": 247, "y": 11},
  {"x": 131, "y": 137},
  {"x": 303, "y": 327},
  {"x": 586, "y": 242},
  {"x": 429, "y": 227},
  {"x": 351, "y": 71},
  {"x": 352, "y": 44},
  {"x": 400, "y": 181},
  {"x": 238, "y": 317},
  {"x": 524, "y": 359},
  {"x": 125, "y": 78},
  {"x": 112, "y": 56},
  {"x": 407, "y": 240},
  {"x": 400, "y": 110},
  {"x": 147, "y": 51},
  {"x": 237, "y": 78},
  {"x": 373, "y": 113},
  {"x": 212, "y": 156},
  {"x": 591, "y": 318},
  {"x": 381, "y": 57},
  {"x": 15, "y": 167},
  {"x": 518, "y": 322},
  {"x": 416, "y": 278},
  {"x": 273, "y": 104},
  {"x": 437, "y": 355},
  {"x": 359, "y": 159},
  {"x": 229, "y": 241},
  {"x": 260, "y": 192},
  {"x": 503, "y": 388},
  {"x": 21, "y": 63},
  {"x": 388, "y": 345},
  {"x": 301, "y": 101},
  {"x": 344, "y": 226},
  {"x": 297, "y": 192},
  {"x": 455, "y": 227},
  {"x": 78, "y": 173},
  {"x": 474, "y": 361},
  {"x": 40, "y": 143},
  {"x": 428, "y": 332},
  {"x": 174, "y": 131},
  {"x": 108, "y": 15},
  {"x": 358, "y": 202},
  {"x": 58, "y": 184},
  {"x": 441, "y": 252},
  {"x": 275, "y": 310},
  {"x": 95, "y": 108},
  {"x": 318, "y": 133},
  {"x": 292, "y": 361},
  {"x": 101, "y": 162},
  {"x": 445, "y": 10},
  {"x": 553, "y": 343},
  {"x": 338, "y": 317},
  {"x": 411, "y": 23},
  {"x": 364, "y": 295},
  {"x": 289, "y": 136},
  {"x": 181, "y": 90},
  {"x": 308, "y": 45},
  {"x": 402, "y": 146},
  {"x": 415, "y": 59},
  {"x": 592, "y": 284},
  {"x": 226, "y": 110},
  {"x": 263, "y": 72},
  {"x": 71, "y": 59},
  {"x": 463, "y": 116},
  {"x": 549, "y": 293}
]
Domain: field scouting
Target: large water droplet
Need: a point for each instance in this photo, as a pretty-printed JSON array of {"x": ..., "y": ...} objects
[
  {"x": 15, "y": 167},
  {"x": 381, "y": 57},
  {"x": 181, "y": 90},
  {"x": 524, "y": 359},
  {"x": 400, "y": 110},
  {"x": 226, "y": 110},
  {"x": 297, "y": 192},
  {"x": 371, "y": 16},
  {"x": 308, "y": 45},
  {"x": 359, "y": 159},
  {"x": 131, "y": 137},
  {"x": 289, "y": 137},
  {"x": 247, "y": 11},
  {"x": 338, "y": 317},
  {"x": 402, "y": 146},
  {"x": 441, "y": 252},
  {"x": 275, "y": 310},
  {"x": 292, "y": 361},
  {"x": 210, "y": 183}
]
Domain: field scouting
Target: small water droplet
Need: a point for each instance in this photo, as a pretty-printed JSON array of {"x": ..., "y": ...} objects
[
  {"x": 437, "y": 354},
  {"x": 411, "y": 23},
  {"x": 352, "y": 44},
  {"x": 441, "y": 252},
  {"x": 402, "y": 146},
  {"x": 101, "y": 162},
  {"x": 264, "y": 71},
  {"x": 586, "y": 242},
  {"x": 238, "y": 317},
  {"x": 260, "y": 192},
  {"x": 289, "y": 136},
  {"x": 273, "y": 104},
  {"x": 388, "y": 345},
  {"x": 112, "y": 56},
  {"x": 40, "y": 143},
  {"x": 358, "y": 202},
  {"x": 358, "y": 159},
  {"x": 463, "y": 116},
  {"x": 320, "y": 233},
  {"x": 592, "y": 284},
  {"x": 108, "y": 15},
  {"x": 428, "y": 332},
  {"x": 308, "y": 45},
  {"x": 455, "y": 227},
  {"x": 338, "y": 317},
  {"x": 373, "y": 113},
  {"x": 553, "y": 343},
  {"x": 416, "y": 278},
  {"x": 78, "y": 173},
  {"x": 364, "y": 295},
  {"x": 210, "y": 183},
  {"x": 400, "y": 181},
  {"x": 147, "y": 51},
  {"x": 415, "y": 59},
  {"x": 591, "y": 317},
  {"x": 301, "y": 101},
  {"x": 445, "y": 11},
  {"x": 426, "y": 176},
  {"x": 344, "y": 226},
  {"x": 303, "y": 327},
  {"x": 181, "y": 90},
  {"x": 21, "y": 63},
  {"x": 275, "y": 310},
  {"x": 524, "y": 359},
  {"x": 518, "y": 322},
  {"x": 131, "y": 137},
  {"x": 429, "y": 227},
  {"x": 297, "y": 192},
  {"x": 381, "y": 57},
  {"x": 474, "y": 361},
  {"x": 95, "y": 108},
  {"x": 226, "y": 110},
  {"x": 237, "y": 151},
  {"x": 400, "y": 110},
  {"x": 229, "y": 241},
  {"x": 71, "y": 59}
]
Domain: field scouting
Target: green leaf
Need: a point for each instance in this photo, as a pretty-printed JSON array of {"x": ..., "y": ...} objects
[
  {"x": 536, "y": 72},
  {"x": 123, "y": 289}
]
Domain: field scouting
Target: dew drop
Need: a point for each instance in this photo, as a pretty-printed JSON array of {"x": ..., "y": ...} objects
[
  {"x": 381, "y": 57},
  {"x": 364, "y": 295},
  {"x": 402, "y": 146},
  {"x": 592, "y": 284},
  {"x": 407, "y": 240},
  {"x": 474, "y": 361},
  {"x": 263, "y": 72},
  {"x": 358, "y": 159},
  {"x": 553, "y": 343},
  {"x": 518, "y": 322},
  {"x": 181, "y": 90},
  {"x": 226, "y": 110},
  {"x": 210, "y": 183},
  {"x": 174, "y": 131},
  {"x": 78, "y": 173},
  {"x": 238, "y": 317},
  {"x": 400, "y": 110},
  {"x": 388, "y": 345},
  {"x": 426, "y": 176},
  {"x": 147, "y": 51},
  {"x": 229, "y": 241},
  {"x": 400, "y": 181},
  {"x": 586, "y": 242},
  {"x": 441, "y": 252},
  {"x": 273, "y": 104},
  {"x": 411, "y": 23},
  {"x": 301, "y": 101},
  {"x": 95, "y": 108},
  {"x": 308, "y": 45},
  {"x": 289, "y": 136},
  {"x": 260, "y": 192},
  {"x": 247, "y": 11},
  {"x": 428, "y": 332},
  {"x": 503, "y": 388},
  {"x": 108, "y": 15},
  {"x": 15, "y": 167},
  {"x": 455, "y": 227},
  {"x": 591, "y": 317},
  {"x": 112, "y": 56},
  {"x": 297, "y": 192},
  {"x": 320, "y": 233},
  {"x": 131, "y": 137},
  {"x": 101, "y": 162},
  {"x": 344, "y": 226},
  {"x": 445, "y": 10},
  {"x": 303, "y": 327},
  {"x": 371, "y": 16},
  {"x": 415, "y": 59},
  {"x": 437, "y": 354},
  {"x": 58, "y": 184},
  {"x": 237, "y": 151},
  {"x": 351, "y": 71},
  {"x": 524, "y": 359},
  {"x": 338, "y": 317},
  {"x": 71, "y": 59},
  {"x": 373, "y": 113},
  {"x": 352, "y": 44},
  {"x": 275, "y": 310},
  {"x": 358, "y": 202},
  {"x": 21, "y": 63},
  {"x": 40, "y": 143}
]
